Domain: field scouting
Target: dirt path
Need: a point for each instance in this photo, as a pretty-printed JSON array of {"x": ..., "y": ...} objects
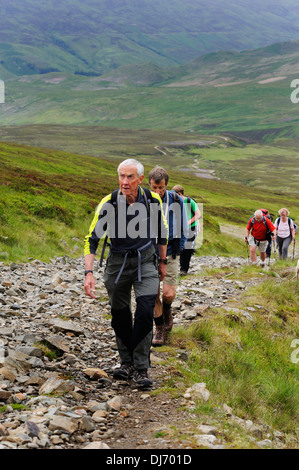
[
  {"x": 233, "y": 230},
  {"x": 150, "y": 421}
]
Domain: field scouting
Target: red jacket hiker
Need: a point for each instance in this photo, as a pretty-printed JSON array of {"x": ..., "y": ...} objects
[{"x": 258, "y": 228}]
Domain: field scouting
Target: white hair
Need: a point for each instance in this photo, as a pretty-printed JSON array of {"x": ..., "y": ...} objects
[
  {"x": 258, "y": 213},
  {"x": 132, "y": 161},
  {"x": 280, "y": 212}
]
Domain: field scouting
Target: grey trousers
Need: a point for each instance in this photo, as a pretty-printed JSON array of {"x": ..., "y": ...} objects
[
  {"x": 133, "y": 335},
  {"x": 283, "y": 246}
]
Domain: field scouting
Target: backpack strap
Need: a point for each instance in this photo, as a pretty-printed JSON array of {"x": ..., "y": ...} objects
[
  {"x": 264, "y": 221},
  {"x": 176, "y": 197},
  {"x": 147, "y": 198},
  {"x": 176, "y": 242},
  {"x": 189, "y": 201},
  {"x": 278, "y": 221},
  {"x": 114, "y": 201},
  {"x": 103, "y": 250}
]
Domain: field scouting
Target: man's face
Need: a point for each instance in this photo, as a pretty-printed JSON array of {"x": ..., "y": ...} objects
[
  {"x": 129, "y": 180},
  {"x": 158, "y": 188}
]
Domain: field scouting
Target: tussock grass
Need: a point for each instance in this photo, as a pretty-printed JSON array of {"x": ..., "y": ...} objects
[{"x": 247, "y": 364}]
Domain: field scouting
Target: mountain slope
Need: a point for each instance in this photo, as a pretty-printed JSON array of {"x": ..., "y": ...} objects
[
  {"x": 215, "y": 68},
  {"x": 49, "y": 196},
  {"x": 247, "y": 92},
  {"x": 95, "y": 36}
]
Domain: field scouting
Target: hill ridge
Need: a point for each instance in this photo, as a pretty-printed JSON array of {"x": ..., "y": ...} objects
[
  {"x": 96, "y": 38},
  {"x": 227, "y": 93}
]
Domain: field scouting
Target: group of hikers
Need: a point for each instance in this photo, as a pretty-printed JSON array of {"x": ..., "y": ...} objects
[
  {"x": 152, "y": 235},
  {"x": 261, "y": 232}
]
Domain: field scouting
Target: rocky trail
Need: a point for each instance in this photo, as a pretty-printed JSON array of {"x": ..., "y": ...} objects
[{"x": 71, "y": 401}]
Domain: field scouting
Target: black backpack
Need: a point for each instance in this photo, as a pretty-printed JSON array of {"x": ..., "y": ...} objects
[
  {"x": 176, "y": 242},
  {"x": 189, "y": 199},
  {"x": 113, "y": 201}
]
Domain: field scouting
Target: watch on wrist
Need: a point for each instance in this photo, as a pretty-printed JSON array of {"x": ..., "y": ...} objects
[
  {"x": 162, "y": 260},
  {"x": 88, "y": 271}
]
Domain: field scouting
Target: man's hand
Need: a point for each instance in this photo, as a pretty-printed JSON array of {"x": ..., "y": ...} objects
[
  {"x": 89, "y": 285},
  {"x": 162, "y": 271}
]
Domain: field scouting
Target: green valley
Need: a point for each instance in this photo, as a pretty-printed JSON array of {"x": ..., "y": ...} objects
[
  {"x": 224, "y": 157},
  {"x": 48, "y": 197},
  {"x": 246, "y": 93}
]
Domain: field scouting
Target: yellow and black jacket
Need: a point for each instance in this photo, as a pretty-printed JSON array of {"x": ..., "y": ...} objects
[{"x": 117, "y": 210}]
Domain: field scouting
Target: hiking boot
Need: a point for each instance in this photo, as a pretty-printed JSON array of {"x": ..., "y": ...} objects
[
  {"x": 124, "y": 372},
  {"x": 262, "y": 264},
  {"x": 159, "y": 336},
  {"x": 141, "y": 379},
  {"x": 168, "y": 320}
]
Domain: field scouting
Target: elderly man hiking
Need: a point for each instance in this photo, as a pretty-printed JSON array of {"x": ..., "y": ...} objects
[
  {"x": 177, "y": 220},
  {"x": 131, "y": 262},
  {"x": 258, "y": 230}
]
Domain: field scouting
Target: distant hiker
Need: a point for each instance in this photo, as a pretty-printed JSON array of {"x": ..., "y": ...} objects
[
  {"x": 174, "y": 210},
  {"x": 258, "y": 230},
  {"x": 193, "y": 214},
  {"x": 285, "y": 232},
  {"x": 132, "y": 262}
]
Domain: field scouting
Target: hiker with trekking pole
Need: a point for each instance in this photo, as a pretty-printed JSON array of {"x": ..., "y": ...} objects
[
  {"x": 259, "y": 232},
  {"x": 286, "y": 232}
]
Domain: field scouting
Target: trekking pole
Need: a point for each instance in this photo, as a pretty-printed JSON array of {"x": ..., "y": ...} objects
[
  {"x": 246, "y": 241},
  {"x": 294, "y": 249},
  {"x": 270, "y": 249},
  {"x": 274, "y": 250}
]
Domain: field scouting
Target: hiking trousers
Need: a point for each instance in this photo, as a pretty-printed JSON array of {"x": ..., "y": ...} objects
[
  {"x": 133, "y": 335},
  {"x": 185, "y": 258},
  {"x": 189, "y": 250},
  {"x": 283, "y": 246}
]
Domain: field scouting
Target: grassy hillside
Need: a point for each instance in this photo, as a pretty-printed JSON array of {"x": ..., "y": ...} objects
[
  {"x": 247, "y": 94},
  {"x": 93, "y": 37},
  {"x": 247, "y": 363},
  {"x": 256, "y": 165},
  {"x": 207, "y": 109},
  {"x": 47, "y": 200}
]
